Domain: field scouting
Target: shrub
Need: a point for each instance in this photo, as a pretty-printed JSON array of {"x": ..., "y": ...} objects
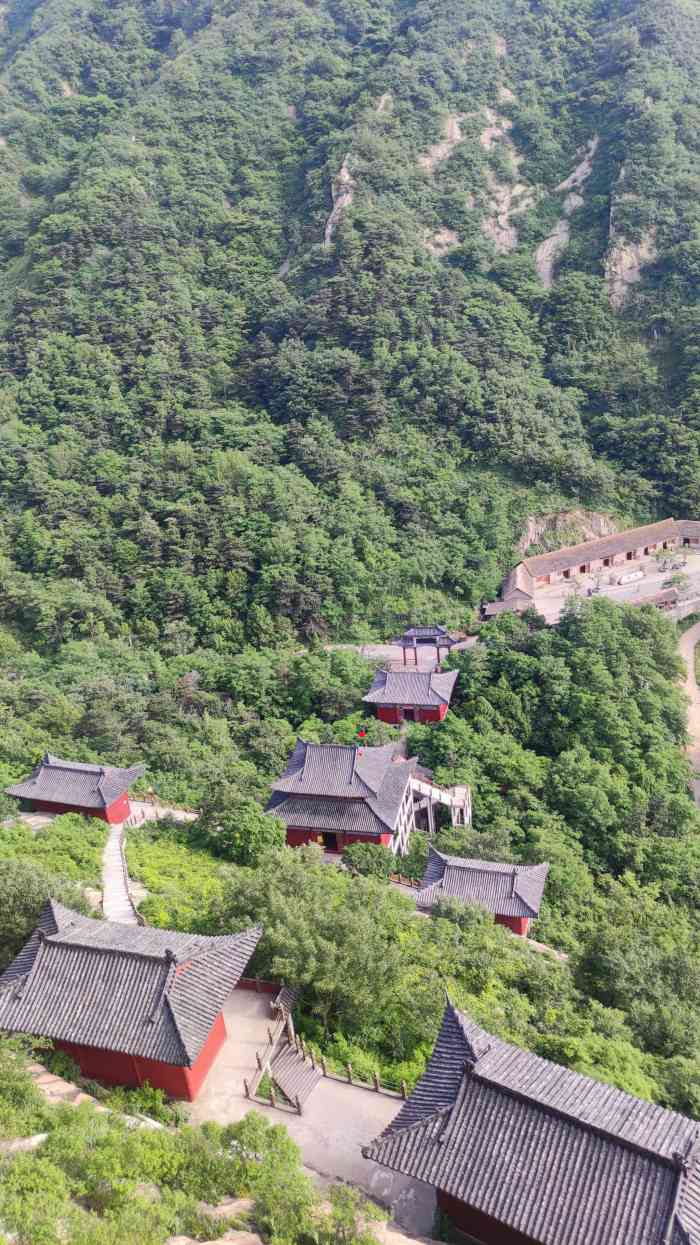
[
  {"x": 371, "y": 860},
  {"x": 23, "y": 1109},
  {"x": 70, "y": 847},
  {"x": 24, "y": 889}
]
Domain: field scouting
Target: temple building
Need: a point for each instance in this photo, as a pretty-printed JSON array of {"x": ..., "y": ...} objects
[
  {"x": 513, "y": 893},
  {"x": 56, "y": 786},
  {"x": 336, "y": 795},
  {"x": 128, "y": 1003},
  {"x": 522, "y": 1151},
  {"x": 411, "y": 695}
]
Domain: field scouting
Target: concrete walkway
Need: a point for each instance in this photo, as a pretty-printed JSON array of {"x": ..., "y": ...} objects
[
  {"x": 116, "y": 904},
  {"x": 687, "y": 644},
  {"x": 338, "y": 1119}
]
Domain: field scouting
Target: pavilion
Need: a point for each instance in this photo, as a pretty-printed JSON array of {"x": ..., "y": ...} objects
[
  {"x": 414, "y": 638},
  {"x": 339, "y": 794},
  {"x": 411, "y": 695}
]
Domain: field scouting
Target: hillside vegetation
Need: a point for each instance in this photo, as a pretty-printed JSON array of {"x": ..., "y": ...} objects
[
  {"x": 305, "y": 307},
  {"x": 213, "y": 424}
]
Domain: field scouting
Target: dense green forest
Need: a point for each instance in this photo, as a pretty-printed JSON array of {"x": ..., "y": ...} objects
[
  {"x": 215, "y": 427},
  {"x": 303, "y": 311}
]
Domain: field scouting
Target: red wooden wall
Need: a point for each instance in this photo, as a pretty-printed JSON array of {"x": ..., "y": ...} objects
[
  {"x": 116, "y": 1068},
  {"x": 478, "y": 1226},
  {"x": 394, "y": 714},
  {"x": 297, "y": 837},
  {"x": 118, "y": 811},
  {"x": 518, "y": 924}
]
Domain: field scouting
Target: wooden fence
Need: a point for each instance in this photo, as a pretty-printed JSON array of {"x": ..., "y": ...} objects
[{"x": 348, "y": 1077}]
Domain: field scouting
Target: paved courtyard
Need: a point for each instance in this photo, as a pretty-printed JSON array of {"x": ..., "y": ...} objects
[
  {"x": 552, "y": 599},
  {"x": 337, "y": 1120}
]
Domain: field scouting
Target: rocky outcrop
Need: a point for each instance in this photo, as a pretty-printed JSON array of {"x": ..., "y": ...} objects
[
  {"x": 343, "y": 192},
  {"x": 383, "y": 102},
  {"x": 442, "y": 241},
  {"x": 566, "y": 526},
  {"x": 583, "y": 170},
  {"x": 506, "y": 199},
  {"x": 443, "y": 150},
  {"x": 549, "y": 251},
  {"x": 625, "y": 259},
  {"x": 624, "y": 265}
]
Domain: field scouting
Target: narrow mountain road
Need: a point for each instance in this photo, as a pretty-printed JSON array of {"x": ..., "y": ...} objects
[
  {"x": 687, "y": 644},
  {"x": 116, "y": 903}
]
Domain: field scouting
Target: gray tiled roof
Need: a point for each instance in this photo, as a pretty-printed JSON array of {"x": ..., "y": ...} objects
[
  {"x": 504, "y": 889},
  {"x": 423, "y": 633},
  {"x": 133, "y": 989},
  {"x": 557, "y": 1156},
  {"x": 343, "y": 774},
  {"x": 314, "y": 813},
  {"x": 519, "y": 582},
  {"x": 603, "y": 547},
  {"x": 411, "y": 687},
  {"x": 76, "y": 782}
]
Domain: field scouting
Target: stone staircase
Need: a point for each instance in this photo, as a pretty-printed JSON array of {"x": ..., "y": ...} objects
[
  {"x": 116, "y": 900},
  {"x": 56, "y": 1089},
  {"x": 295, "y": 1076}
]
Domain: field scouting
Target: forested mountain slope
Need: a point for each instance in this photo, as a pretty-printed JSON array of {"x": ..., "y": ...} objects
[
  {"x": 220, "y": 404},
  {"x": 304, "y": 308}
]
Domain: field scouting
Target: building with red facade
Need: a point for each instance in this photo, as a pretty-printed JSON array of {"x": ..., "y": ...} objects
[
  {"x": 128, "y": 1003},
  {"x": 336, "y": 795},
  {"x": 513, "y": 893},
  {"x": 411, "y": 695},
  {"x": 56, "y": 786},
  {"x": 522, "y": 1151}
]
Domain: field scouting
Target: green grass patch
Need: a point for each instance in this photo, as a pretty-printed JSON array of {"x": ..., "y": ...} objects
[
  {"x": 182, "y": 881},
  {"x": 70, "y": 847}
]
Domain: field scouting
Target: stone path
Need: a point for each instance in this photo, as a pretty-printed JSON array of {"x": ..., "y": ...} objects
[
  {"x": 337, "y": 1121},
  {"x": 687, "y": 644},
  {"x": 116, "y": 904},
  {"x": 56, "y": 1089}
]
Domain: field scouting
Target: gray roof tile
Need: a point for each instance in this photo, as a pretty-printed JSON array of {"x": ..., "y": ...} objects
[
  {"x": 602, "y": 547},
  {"x": 141, "y": 991},
  {"x": 75, "y": 782},
  {"x": 557, "y": 1156},
  {"x": 312, "y": 813},
  {"x": 504, "y": 889},
  {"x": 342, "y": 775},
  {"x": 411, "y": 687}
]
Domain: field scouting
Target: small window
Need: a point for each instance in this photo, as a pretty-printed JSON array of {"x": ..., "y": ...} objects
[
  {"x": 629, "y": 557},
  {"x": 583, "y": 569},
  {"x": 606, "y": 561}
]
